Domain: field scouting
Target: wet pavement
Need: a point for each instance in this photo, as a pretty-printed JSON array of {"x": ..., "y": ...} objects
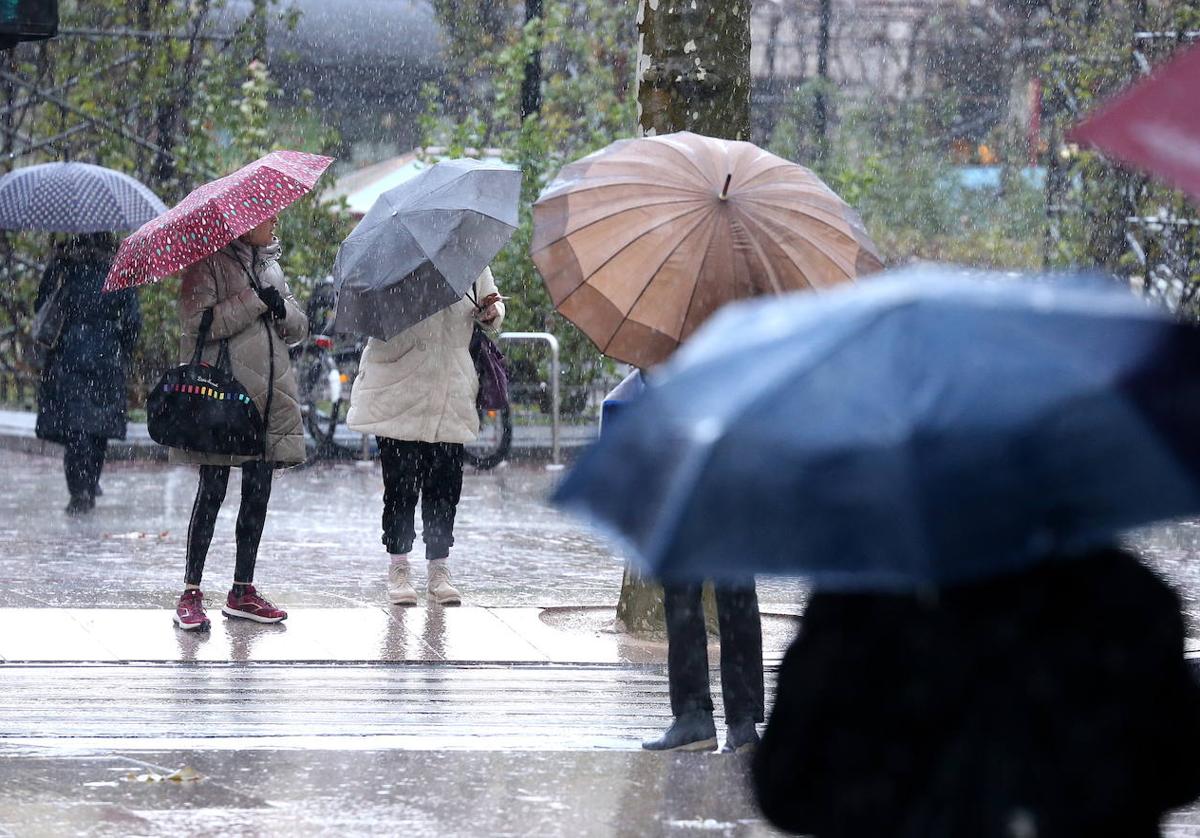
[
  {"x": 321, "y": 546},
  {"x": 519, "y": 713},
  {"x": 379, "y": 792}
]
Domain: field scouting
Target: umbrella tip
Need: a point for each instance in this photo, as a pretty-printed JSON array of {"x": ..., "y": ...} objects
[{"x": 725, "y": 188}]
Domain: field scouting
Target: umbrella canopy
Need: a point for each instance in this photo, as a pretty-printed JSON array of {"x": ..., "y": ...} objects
[
  {"x": 422, "y": 245},
  {"x": 75, "y": 198},
  {"x": 214, "y": 215},
  {"x": 640, "y": 242},
  {"x": 923, "y": 429},
  {"x": 1154, "y": 125}
]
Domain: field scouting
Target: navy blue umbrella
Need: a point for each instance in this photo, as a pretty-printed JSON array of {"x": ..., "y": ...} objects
[
  {"x": 74, "y": 198},
  {"x": 924, "y": 428}
]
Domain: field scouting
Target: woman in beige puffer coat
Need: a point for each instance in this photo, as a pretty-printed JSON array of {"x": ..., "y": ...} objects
[
  {"x": 416, "y": 393},
  {"x": 255, "y": 312}
]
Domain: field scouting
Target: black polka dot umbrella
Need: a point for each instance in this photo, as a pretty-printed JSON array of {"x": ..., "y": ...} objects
[
  {"x": 214, "y": 215},
  {"x": 74, "y": 198}
]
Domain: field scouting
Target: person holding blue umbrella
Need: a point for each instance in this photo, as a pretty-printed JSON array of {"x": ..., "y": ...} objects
[
  {"x": 639, "y": 244},
  {"x": 949, "y": 457}
]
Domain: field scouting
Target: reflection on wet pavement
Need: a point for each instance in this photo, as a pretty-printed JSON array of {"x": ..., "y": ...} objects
[
  {"x": 423, "y": 706},
  {"x": 378, "y": 635},
  {"x": 411, "y": 793}
]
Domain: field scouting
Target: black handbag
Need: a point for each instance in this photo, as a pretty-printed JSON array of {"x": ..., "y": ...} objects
[
  {"x": 491, "y": 367},
  {"x": 201, "y": 407}
]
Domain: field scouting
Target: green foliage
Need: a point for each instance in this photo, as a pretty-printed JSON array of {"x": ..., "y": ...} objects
[
  {"x": 1094, "y": 53},
  {"x": 884, "y": 160},
  {"x": 310, "y": 229},
  {"x": 173, "y": 112},
  {"x": 586, "y": 48}
]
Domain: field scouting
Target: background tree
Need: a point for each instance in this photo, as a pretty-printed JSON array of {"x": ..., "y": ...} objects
[
  {"x": 693, "y": 75},
  {"x": 694, "y": 70},
  {"x": 174, "y": 104},
  {"x": 1099, "y": 213},
  {"x": 586, "y": 49}
]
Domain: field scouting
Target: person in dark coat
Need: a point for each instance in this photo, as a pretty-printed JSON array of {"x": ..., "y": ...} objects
[
  {"x": 82, "y": 395},
  {"x": 1052, "y": 703}
]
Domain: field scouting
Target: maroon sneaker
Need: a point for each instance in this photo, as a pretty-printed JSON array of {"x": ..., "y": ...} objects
[
  {"x": 250, "y": 606},
  {"x": 189, "y": 613}
]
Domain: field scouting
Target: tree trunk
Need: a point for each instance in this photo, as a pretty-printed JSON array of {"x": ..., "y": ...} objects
[
  {"x": 693, "y": 74},
  {"x": 260, "y": 30},
  {"x": 531, "y": 84},
  {"x": 694, "y": 67}
]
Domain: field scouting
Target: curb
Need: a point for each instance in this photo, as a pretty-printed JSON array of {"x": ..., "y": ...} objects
[{"x": 17, "y": 434}]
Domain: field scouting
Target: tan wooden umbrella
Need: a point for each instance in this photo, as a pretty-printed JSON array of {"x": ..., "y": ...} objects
[{"x": 641, "y": 241}]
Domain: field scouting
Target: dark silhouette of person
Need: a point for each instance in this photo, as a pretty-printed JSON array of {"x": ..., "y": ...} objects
[
  {"x": 1050, "y": 703},
  {"x": 82, "y": 396}
]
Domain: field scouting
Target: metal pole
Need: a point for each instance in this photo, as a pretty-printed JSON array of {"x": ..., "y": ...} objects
[
  {"x": 821, "y": 105},
  {"x": 555, "y": 401},
  {"x": 552, "y": 342}
]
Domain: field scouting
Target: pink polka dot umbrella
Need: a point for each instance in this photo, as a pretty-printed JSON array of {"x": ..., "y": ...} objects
[{"x": 214, "y": 215}]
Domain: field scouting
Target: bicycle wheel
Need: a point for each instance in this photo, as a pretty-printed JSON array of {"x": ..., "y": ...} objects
[
  {"x": 323, "y": 405},
  {"x": 491, "y": 447}
]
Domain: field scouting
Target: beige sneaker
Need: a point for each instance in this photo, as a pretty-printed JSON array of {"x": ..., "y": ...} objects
[
  {"x": 400, "y": 589},
  {"x": 440, "y": 589}
]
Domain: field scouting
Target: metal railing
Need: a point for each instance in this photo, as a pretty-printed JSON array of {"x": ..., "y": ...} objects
[{"x": 552, "y": 341}]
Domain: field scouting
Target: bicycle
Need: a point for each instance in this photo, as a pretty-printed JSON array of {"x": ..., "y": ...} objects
[{"x": 324, "y": 374}]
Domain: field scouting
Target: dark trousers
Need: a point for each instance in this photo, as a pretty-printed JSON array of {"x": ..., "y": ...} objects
[
  {"x": 741, "y": 652},
  {"x": 252, "y": 515},
  {"x": 83, "y": 460},
  {"x": 431, "y": 472}
]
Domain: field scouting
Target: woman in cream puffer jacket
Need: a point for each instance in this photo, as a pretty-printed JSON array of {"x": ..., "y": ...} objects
[{"x": 416, "y": 394}]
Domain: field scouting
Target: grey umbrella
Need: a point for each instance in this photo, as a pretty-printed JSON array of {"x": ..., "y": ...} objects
[
  {"x": 423, "y": 244},
  {"x": 74, "y": 198}
]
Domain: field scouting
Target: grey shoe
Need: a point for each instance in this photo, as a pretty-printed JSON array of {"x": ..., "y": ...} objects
[
  {"x": 740, "y": 738},
  {"x": 400, "y": 589},
  {"x": 692, "y": 731},
  {"x": 440, "y": 589}
]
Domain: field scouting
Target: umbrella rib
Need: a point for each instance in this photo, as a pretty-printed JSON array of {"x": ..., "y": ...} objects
[
  {"x": 604, "y": 218},
  {"x": 695, "y": 290},
  {"x": 810, "y": 216},
  {"x": 822, "y": 251},
  {"x": 421, "y": 195},
  {"x": 618, "y": 253},
  {"x": 753, "y": 241},
  {"x": 436, "y": 190},
  {"x": 650, "y": 281},
  {"x": 703, "y": 175}
]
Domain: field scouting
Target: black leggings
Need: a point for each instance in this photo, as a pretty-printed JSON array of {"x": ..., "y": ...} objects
[{"x": 256, "y": 492}]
